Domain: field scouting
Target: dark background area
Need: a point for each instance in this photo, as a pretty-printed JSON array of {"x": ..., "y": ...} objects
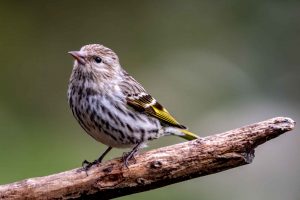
[{"x": 215, "y": 65}]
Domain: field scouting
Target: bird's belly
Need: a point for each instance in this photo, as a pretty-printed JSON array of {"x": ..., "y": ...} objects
[
  {"x": 113, "y": 124},
  {"x": 108, "y": 140}
]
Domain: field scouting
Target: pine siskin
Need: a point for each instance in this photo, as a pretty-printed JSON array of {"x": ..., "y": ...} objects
[{"x": 112, "y": 107}]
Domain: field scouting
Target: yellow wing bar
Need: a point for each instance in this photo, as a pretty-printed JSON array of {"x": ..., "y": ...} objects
[{"x": 147, "y": 104}]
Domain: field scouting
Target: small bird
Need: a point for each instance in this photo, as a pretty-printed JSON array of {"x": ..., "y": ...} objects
[{"x": 112, "y": 107}]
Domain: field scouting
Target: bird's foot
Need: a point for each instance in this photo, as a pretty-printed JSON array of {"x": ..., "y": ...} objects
[
  {"x": 131, "y": 155},
  {"x": 86, "y": 165},
  {"x": 127, "y": 156}
]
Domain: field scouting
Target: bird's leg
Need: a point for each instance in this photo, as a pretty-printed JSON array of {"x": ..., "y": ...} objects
[
  {"x": 99, "y": 160},
  {"x": 86, "y": 164},
  {"x": 131, "y": 154}
]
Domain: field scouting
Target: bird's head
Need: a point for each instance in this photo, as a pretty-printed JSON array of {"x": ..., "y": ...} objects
[{"x": 97, "y": 60}]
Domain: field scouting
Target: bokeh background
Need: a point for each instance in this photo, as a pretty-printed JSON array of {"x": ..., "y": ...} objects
[{"x": 216, "y": 65}]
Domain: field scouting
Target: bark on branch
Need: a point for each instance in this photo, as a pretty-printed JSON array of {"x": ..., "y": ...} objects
[{"x": 155, "y": 168}]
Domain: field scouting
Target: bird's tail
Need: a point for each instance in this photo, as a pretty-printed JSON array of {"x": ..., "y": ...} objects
[{"x": 188, "y": 135}]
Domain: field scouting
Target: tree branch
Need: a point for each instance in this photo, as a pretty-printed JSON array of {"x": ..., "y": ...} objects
[{"x": 155, "y": 168}]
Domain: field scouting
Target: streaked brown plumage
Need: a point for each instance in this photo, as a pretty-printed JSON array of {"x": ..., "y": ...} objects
[{"x": 112, "y": 107}]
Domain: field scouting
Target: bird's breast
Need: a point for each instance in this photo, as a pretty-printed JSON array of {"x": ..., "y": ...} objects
[{"x": 107, "y": 118}]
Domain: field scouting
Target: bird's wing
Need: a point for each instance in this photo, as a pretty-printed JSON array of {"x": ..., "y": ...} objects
[
  {"x": 144, "y": 102},
  {"x": 139, "y": 100}
]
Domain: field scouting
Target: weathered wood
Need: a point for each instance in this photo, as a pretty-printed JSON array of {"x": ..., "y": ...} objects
[{"x": 155, "y": 168}]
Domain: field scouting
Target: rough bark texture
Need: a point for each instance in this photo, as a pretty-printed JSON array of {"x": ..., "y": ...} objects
[{"x": 153, "y": 169}]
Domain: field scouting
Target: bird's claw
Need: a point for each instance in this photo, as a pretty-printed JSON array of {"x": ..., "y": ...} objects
[
  {"x": 127, "y": 156},
  {"x": 86, "y": 165}
]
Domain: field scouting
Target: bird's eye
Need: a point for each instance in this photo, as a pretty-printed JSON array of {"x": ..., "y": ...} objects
[{"x": 98, "y": 59}]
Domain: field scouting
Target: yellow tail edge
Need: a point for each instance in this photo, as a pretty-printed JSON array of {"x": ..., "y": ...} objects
[{"x": 189, "y": 135}]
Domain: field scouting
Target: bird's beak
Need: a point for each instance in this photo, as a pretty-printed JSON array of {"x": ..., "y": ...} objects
[{"x": 79, "y": 56}]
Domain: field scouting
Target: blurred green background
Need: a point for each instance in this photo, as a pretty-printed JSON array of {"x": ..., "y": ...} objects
[{"x": 215, "y": 65}]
